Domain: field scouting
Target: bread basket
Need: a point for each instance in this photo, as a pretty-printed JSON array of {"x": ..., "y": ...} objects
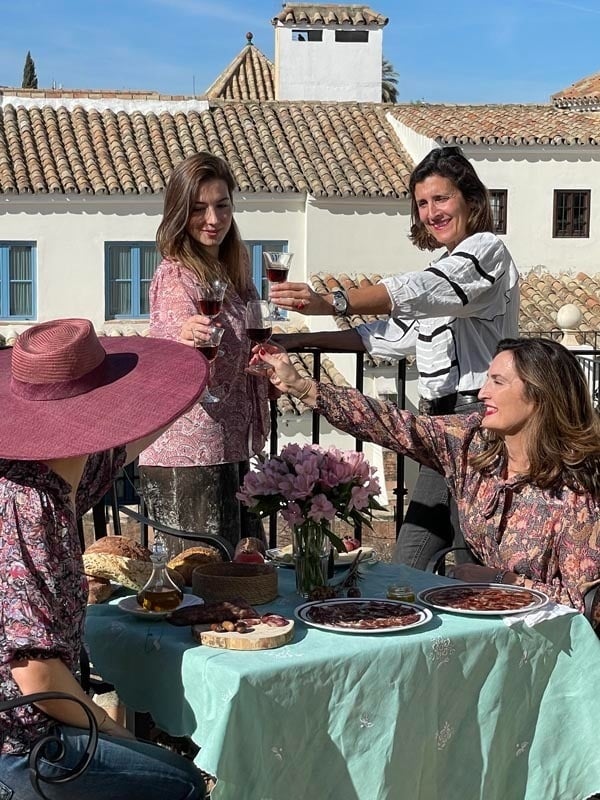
[{"x": 256, "y": 583}]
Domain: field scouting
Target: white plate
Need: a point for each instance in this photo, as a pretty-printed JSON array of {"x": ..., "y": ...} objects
[
  {"x": 277, "y": 554},
  {"x": 435, "y": 597},
  {"x": 302, "y": 613},
  {"x": 131, "y": 605}
]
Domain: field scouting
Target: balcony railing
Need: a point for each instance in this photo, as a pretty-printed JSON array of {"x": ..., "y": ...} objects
[
  {"x": 312, "y": 362},
  {"x": 316, "y": 370}
]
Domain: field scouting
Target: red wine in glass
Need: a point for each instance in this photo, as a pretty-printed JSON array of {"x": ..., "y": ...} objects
[
  {"x": 210, "y": 306},
  {"x": 210, "y": 297},
  {"x": 209, "y": 351},
  {"x": 276, "y": 269},
  {"x": 258, "y": 329},
  {"x": 259, "y": 335},
  {"x": 277, "y": 274}
]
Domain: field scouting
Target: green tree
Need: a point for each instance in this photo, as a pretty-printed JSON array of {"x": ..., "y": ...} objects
[
  {"x": 30, "y": 80},
  {"x": 389, "y": 80}
]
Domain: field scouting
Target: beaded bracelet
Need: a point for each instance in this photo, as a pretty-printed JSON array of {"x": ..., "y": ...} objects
[
  {"x": 499, "y": 576},
  {"x": 306, "y": 391}
]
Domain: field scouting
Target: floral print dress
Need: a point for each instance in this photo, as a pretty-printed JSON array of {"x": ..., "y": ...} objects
[
  {"x": 233, "y": 429},
  {"x": 44, "y": 592}
]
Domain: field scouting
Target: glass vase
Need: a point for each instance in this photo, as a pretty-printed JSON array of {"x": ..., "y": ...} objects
[{"x": 311, "y": 554}]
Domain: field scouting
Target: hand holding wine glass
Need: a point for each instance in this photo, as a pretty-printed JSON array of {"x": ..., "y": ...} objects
[
  {"x": 209, "y": 347},
  {"x": 258, "y": 329}
]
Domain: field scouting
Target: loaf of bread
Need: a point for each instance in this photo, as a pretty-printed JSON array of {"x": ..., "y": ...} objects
[
  {"x": 185, "y": 562},
  {"x": 119, "y": 546},
  {"x": 99, "y": 590},
  {"x": 129, "y": 572}
]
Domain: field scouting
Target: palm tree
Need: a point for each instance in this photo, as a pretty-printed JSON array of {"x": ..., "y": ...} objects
[{"x": 389, "y": 79}]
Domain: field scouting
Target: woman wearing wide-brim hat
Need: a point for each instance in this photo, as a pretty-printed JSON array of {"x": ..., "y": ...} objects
[{"x": 74, "y": 411}]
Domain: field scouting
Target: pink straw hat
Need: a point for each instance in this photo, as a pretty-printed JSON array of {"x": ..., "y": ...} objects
[{"x": 63, "y": 393}]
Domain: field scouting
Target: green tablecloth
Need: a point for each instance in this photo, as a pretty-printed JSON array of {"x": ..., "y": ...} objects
[{"x": 463, "y": 708}]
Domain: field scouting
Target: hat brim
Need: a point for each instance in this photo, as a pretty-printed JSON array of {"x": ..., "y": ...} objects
[{"x": 153, "y": 381}]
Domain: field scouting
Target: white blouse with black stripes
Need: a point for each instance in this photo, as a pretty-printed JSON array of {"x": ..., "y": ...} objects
[{"x": 451, "y": 315}]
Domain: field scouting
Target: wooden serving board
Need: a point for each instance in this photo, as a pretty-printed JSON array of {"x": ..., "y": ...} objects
[{"x": 262, "y": 637}]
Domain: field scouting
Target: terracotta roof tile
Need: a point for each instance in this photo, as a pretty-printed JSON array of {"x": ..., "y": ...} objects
[
  {"x": 581, "y": 94},
  {"x": 542, "y": 295},
  {"x": 325, "y": 149},
  {"x": 499, "y": 124},
  {"x": 248, "y": 77},
  {"x": 328, "y": 14}
]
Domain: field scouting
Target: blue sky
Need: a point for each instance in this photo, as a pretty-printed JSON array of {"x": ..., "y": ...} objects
[{"x": 466, "y": 51}]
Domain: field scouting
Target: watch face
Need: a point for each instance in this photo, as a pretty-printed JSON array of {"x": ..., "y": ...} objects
[{"x": 340, "y": 304}]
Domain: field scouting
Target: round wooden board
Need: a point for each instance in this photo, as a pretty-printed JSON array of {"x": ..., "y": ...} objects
[{"x": 262, "y": 637}]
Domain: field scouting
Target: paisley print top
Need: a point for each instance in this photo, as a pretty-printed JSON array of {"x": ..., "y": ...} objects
[
  {"x": 224, "y": 432},
  {"x": 552, "y": 538},
  {"x": 44, "y": 590}
]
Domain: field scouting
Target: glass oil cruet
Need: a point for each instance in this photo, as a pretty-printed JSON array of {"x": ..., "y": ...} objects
[{"x": 160, "y": 593}]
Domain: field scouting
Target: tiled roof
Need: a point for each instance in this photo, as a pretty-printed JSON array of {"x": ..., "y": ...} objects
[
  {"x": 328, "y": 14},
  {"x": 325, "y": 149},
  {"x": 499, "y": 124},
  {"x": 542, "y": 295},
  {"x": 248, "y": 77},
  {"x": 87, "y": 94},
  {"x": 582, "y": 94}
]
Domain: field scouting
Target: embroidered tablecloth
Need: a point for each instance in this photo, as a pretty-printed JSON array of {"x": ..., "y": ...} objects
[{"x": 462, "y": 708}]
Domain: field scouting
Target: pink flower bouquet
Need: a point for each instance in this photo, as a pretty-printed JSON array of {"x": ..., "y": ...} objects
[{"x": 311, "y": 484}]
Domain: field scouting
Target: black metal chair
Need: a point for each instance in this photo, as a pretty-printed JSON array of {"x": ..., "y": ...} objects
[
  {"x": 117, "y": 507},
  {"x": 222, "y": 545},
  {"x": 437, "y": 563},
  {"x": 49, "y": 748}
]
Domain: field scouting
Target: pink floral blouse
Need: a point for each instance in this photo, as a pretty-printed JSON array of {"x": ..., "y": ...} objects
[
  {"x": 552, "y": 539},
  {"x": 44, "y": 590},
  {"x": 226, "y": 432}
]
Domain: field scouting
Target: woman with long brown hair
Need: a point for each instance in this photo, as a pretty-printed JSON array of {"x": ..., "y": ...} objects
[
  {"x": 190, "y": 475},
  {"x": 525, "y": 474}
]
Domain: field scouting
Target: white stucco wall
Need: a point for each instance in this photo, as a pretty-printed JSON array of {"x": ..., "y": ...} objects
[
  {"x": 328, "y": 70},
  {"x": 531, "y": 175},
  {"x": 69, "y": 234}
]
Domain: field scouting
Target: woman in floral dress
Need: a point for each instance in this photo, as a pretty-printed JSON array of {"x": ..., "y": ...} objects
[
  {"x": 74, "y": 412},
  {"x": 525, "y": 474},
  {"x": 190, "y": 476}
]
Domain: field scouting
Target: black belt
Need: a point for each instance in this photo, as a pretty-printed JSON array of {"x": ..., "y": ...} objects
[{"x": 447, "y": 404}]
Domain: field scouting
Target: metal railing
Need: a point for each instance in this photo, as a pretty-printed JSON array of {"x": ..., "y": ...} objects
[
  {"x": 316, "y": 370},
  {"x": 588, "y": 357}
]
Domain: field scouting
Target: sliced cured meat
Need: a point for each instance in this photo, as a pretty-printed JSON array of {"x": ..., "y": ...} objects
[
  {"x": 274, "y": 620},
  {"x": 363, "y": 615},
  {"x": 482, "y": 598},
  {"x": 226, "y": 610}
]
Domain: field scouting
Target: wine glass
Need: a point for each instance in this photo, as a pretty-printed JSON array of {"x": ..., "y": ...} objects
[
  {"x": 258, "y": 329},
  {"x": 276, "y": 267},
  {"x": 210, "y": 297},
  {"x": 210, "y": 350}
]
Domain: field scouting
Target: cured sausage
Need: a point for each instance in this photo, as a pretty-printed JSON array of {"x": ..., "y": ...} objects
[{"x": 226, "y": 610}]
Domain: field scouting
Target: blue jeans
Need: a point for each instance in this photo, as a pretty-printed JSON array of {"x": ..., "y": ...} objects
[
  {"x": 122, "y": 769},
  {"x": 431, "y": 522}
]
